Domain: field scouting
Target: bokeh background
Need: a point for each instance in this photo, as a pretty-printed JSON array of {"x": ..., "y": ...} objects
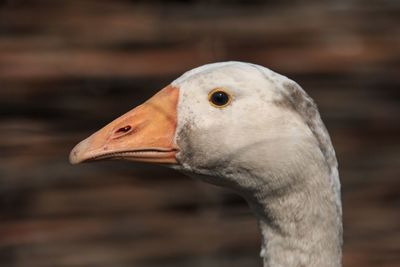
[{"x": 69, "y": 67}]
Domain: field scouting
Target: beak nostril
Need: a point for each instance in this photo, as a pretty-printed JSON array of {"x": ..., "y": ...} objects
[{"x": 124, "y": 129}]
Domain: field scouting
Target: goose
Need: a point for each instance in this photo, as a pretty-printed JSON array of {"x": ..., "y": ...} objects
[{"x": 244, "y": 127}]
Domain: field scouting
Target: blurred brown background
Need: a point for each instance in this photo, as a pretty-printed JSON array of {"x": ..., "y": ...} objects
[{"x": 69, "y": 67}]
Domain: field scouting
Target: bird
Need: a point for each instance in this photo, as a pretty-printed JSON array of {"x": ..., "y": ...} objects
[{"x": 244, "y": 127}]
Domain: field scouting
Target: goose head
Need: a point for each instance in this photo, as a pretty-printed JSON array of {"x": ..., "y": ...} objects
[
  {"x": 245, "y": 127},
  {"x": 215, "y": 122}
]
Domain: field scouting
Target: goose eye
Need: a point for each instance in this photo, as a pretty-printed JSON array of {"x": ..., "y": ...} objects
[{"x": 219, "y": 98}]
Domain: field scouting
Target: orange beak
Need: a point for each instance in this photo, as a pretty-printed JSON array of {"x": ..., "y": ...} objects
[{"x": 144, "y": 134}]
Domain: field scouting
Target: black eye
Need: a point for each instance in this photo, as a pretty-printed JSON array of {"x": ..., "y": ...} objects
[{"x": 219, "y": 98}]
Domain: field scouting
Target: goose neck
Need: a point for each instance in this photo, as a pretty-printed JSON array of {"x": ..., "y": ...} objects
[{"x": 300, "y": 224}]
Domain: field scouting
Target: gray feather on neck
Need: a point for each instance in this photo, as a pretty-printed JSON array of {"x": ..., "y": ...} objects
[
  {"x": 298, "y": 100},
  {"x": 292, "y": 96},
  {"x": 295, "y": 98}
]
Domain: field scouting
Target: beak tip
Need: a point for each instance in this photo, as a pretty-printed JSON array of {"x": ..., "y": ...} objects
[
  {"x": 73, "y": 159},
  {"x": 77, "y": 154},
  {"x": 73, "y": 156}
]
